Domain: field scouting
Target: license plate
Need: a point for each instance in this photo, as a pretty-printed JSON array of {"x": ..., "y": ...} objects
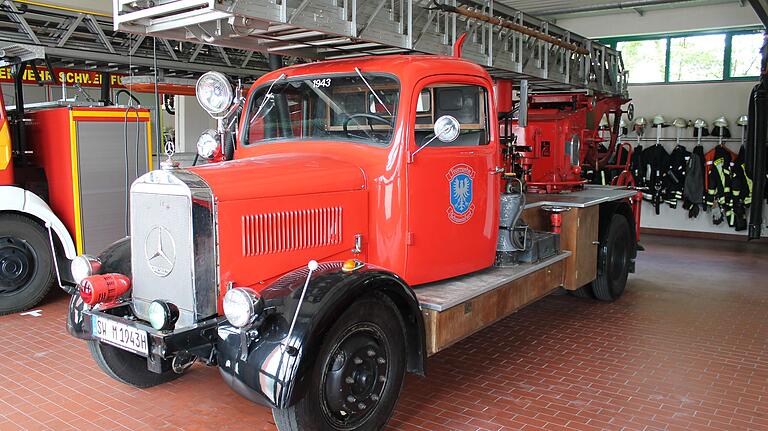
[{"x": 120, "y": 335}]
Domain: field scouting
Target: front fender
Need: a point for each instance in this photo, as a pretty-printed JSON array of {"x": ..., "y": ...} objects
[
  {"x": 255, "y": 362},
  {"x": 23, "y": 201}
]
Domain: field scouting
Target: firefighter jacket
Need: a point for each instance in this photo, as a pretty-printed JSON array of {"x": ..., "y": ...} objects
[
  {"x": 655, "y": 167},
  {"x": 718, "y": 179},
  {"x": 636, "y": 167},
  {"x": 674, "y": 180},
  {"x": 741, "y": 192},
  {"x": 693, "y": 190}
]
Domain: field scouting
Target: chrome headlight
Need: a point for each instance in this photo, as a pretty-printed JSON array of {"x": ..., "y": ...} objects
[
  {"x": 242, "y": 306},
  {"x": 84, "y": 266},
  {"x": 214, "y": 92},
  {"x": 208, "y": 144}
]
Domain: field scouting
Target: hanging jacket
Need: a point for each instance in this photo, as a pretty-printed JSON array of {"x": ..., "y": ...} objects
[
  {"x": 718, "y": 177},
  {"x": 741, "y": 192},
  {"x": 636, "y": 167},
  {"x": 655, "y": 167},
  {"x": 693, "y": 190},
  {"x": 674, "y": 180}
]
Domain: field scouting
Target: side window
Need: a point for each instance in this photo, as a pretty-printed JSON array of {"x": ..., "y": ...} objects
[{"x": 467, "y": 103}]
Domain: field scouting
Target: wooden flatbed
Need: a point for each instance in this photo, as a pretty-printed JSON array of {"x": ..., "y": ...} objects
[{"x": 458, "y": 307}]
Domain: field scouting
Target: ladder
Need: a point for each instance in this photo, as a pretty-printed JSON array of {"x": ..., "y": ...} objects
[{"x": 508, "y": 43}]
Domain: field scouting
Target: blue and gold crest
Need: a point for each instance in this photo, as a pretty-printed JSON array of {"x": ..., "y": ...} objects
[{"x": 460, "y": 178}]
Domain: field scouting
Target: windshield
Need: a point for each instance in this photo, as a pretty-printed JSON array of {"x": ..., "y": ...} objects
[{"x": 353, "y": 108}]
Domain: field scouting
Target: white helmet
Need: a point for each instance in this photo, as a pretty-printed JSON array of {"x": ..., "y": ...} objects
[
  {"x": 700, "y": 123},
  {"x": 721, "y": 122},
  {"x": 743, "y": 120},
  {"x": 659, "y": 121},
  {"x": 680, "y": 123}
]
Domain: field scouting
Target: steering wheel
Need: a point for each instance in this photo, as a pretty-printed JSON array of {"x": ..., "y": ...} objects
[{"x": 369, "y": 117}]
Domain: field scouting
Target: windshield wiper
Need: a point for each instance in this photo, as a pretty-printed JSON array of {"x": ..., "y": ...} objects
[
  {"x": 267, "y": 96},
  {"x": 375, "y": 94}
]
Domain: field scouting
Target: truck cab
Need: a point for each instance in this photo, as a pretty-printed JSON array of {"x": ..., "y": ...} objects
[{"x": 292, "y": 266}]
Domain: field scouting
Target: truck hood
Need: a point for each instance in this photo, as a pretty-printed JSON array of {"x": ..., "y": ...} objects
[{"x": 285, "y": 174}]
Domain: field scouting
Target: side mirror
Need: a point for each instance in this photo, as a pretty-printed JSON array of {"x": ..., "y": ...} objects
[{"x": 447, "y": 128}]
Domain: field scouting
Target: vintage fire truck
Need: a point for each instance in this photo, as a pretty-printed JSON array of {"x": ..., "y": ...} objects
[{"x": 373, "y": 212}]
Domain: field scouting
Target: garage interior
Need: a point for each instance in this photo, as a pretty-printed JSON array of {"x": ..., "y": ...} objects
[{"x": 684, "y": 348}]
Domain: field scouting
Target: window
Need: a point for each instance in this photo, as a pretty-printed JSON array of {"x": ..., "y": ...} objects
[
  {"x": 697, "y": 58},
  {"x": 745, "y": 54},
  {"x": 344, "y": 108},
  {"x": 644, "y": 59},
  {"x": 703, "y": 56},
  {"x": 466, "y": 103}
]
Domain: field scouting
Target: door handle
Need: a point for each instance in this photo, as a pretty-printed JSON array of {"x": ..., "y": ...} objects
[{"x": 497, "y": 170}]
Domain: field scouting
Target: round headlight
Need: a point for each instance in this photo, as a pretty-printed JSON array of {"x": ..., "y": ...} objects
[
  {"x": 84, "y": 266},
  {"x": 214, "y": 92},
  {"x": 208, "y": 144},
  {"x": 242, "y": 306},
  {"x": 162, "y": 315}
]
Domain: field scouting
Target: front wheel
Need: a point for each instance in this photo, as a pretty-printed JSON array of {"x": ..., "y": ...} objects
[
  {"x": 614, "y": 260},
  {"x": 26, "y": 263},
  {"x": 357, "y": 375},
  {"x": 127, "y": 367}
]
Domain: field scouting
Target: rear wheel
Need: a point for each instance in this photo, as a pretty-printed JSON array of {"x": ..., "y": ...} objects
[
  {"x": 583, "y": 292},
  {"x": 613, "y": 260},
  {"x": 357, "y": 375},
  {"x": 127, "y": 367},
  {"x": 26, "y": 263}
]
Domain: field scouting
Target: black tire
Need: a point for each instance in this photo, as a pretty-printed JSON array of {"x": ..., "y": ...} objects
[
  {"x": 614, "y": 259},
  {"x": 126, "y": 367},
  {"x": 26, "y": 263},
  {"x": 583, "y": 292},
  {"x": 371, "y": 324}
]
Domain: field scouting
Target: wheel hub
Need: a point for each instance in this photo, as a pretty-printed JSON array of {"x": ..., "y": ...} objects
[
  {"x": 356, "y": 377},
  {"x": 16, "y": 263}
]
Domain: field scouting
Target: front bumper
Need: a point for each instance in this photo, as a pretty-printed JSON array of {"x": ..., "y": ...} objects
[{"x": 197, "y": 340}]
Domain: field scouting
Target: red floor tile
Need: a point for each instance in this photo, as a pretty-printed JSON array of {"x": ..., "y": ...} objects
[{"x": 686, "y": 348}]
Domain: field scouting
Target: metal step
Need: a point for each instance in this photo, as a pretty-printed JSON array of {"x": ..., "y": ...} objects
[{"x": 330, "y": 29}]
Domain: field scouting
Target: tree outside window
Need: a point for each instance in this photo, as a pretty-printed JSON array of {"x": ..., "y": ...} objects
[
  {"x": 697, "y": 58},
  {"x": 745, "y": 55},
  {"x": 644, "y": 59}
]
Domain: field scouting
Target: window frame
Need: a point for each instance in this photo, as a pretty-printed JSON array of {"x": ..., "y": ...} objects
[{"x": 727, "y": 52}]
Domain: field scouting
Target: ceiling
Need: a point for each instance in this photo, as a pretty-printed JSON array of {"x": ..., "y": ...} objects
[{"x": 559, "y": 8}]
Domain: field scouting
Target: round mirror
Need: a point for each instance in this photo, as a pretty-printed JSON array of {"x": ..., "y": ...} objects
[{"x": 447, "y": 128}]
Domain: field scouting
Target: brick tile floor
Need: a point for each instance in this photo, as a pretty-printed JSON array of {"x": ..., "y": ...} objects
[{"x": 685, "y": 348}]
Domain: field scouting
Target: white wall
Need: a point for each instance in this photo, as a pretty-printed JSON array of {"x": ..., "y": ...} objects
[
  {"x": 689, "y": 101},
  {"x": 662, "y": 21},
  {"x": 191, "y": 121}
]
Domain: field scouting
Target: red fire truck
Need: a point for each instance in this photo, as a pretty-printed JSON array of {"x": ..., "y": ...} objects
[
  {"x": 373, "y": 212},
  {"x": 65, "y": 170}
]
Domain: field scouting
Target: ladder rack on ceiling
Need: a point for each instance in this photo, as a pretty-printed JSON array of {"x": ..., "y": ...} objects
[{"x": 509, "y": 43}]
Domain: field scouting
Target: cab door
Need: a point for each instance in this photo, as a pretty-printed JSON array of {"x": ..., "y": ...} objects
[{"x": 453, "y": 187}]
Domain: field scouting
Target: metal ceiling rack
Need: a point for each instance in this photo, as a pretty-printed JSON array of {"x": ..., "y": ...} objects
[
  {"x": 88, "y": 41},
  {"x": 509, "y": 43}
]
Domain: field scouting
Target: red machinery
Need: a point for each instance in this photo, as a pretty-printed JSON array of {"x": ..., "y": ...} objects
[{"x": 562, "y": 136}]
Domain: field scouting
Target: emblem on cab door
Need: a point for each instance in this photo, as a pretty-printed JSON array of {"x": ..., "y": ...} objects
[
  {"x": 160, "y": 251},
  {"x": 460, "y": 179}
]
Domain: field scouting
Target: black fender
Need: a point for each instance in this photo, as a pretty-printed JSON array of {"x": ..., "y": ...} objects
[
  {"x": 607, "y": 211},
  {"x": 256, "y": 363},
  {"x": 115, "y": 258}
]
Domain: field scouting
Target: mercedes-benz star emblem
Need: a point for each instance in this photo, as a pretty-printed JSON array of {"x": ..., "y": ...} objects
[{"x": 160, "y": 251}]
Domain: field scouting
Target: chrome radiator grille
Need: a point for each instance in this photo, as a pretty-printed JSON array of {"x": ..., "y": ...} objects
[{"x": 173, "y": 245}]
